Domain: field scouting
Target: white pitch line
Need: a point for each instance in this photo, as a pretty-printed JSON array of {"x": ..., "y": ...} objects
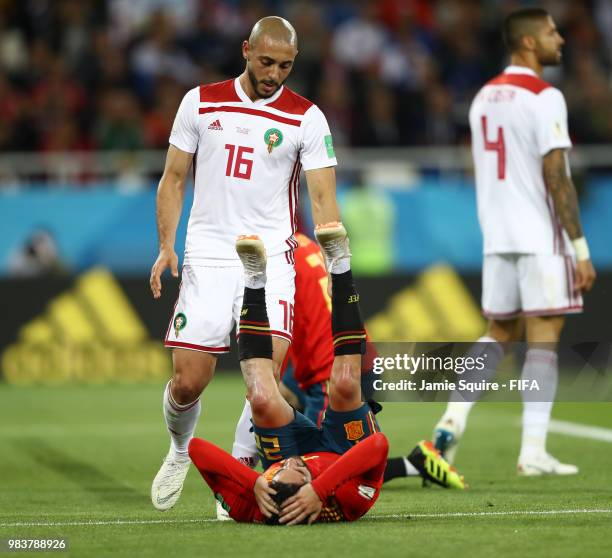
[
  {"x": 487, "y": 514},
  {"x": 581, "y": 430},
  {"x": 388, "y": 516}
]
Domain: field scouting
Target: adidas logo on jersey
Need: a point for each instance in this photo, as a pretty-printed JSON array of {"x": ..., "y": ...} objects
[{"x": 216, "y": 125}]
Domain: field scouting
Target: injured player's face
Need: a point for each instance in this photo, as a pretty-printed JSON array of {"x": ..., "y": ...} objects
[{"x": 293, "y": 471}]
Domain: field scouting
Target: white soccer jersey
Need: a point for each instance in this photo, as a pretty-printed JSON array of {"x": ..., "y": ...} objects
[
  {"x": 248, "y": 157},
  {"x": 516, "y": 119}
]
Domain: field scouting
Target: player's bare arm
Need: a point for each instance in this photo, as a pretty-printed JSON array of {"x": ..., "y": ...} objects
[
  {"x": 562, "y": 190},
  {"x": 170, "y": 193},
  {"x": 322, "y": 192},
  {"x": 561, "y": 187}
]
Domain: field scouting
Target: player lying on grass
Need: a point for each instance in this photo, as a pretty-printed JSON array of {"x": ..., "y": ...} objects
[
  {"x": 305, "y": 374},
  {"x": 312, "y": 473}
]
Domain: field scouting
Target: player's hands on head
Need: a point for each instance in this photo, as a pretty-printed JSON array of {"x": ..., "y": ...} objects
[
  {"x": 304, "y": 505},
  {"x": 167, "y": 259},
  {"x": 584, "y": 276},
  {"x": 263, "y": 496}
]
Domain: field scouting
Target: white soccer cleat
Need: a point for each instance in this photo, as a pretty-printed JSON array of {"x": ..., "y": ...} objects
[
  {"x": 222, "y": 513},
  {"x": 447, "y": 434},
  {"x": 544, "y": 464},
  {"x": 168, "y": 483},
  {"x": 252, "y": 254},
  {"x": 334, "y": 242}
]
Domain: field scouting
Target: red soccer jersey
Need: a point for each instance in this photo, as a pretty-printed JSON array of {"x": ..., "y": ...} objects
[
  {"x": 348, "y": 485},
  {"x": 312, "y": 352}
]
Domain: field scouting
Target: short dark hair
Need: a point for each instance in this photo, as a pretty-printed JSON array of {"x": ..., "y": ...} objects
[
  {"x": 283, "y": 491},
  {"x": 520, "y": 23}
]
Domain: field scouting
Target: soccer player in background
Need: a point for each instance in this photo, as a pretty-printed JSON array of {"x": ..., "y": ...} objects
[
  {"x": 536, "y": 258},
  {"x": 247, "y": 138},
  {"x": 332, "y": 473}
]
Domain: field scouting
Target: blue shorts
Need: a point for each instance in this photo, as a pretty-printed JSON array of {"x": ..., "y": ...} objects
[
  {"x": 313, "y": 400},
  {"x": 339, "y": 432}
]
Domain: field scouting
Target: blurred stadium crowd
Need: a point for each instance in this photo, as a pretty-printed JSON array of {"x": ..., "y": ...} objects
[{"x": 109, "y": 74}]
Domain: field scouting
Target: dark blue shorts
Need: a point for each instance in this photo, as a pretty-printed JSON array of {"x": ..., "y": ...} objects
[
  {"x": 339, "y": 432},
  {"x": 313, "y": 400}
]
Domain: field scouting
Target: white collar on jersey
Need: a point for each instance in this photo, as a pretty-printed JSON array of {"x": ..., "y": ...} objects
[
  {"x": 244, "y": 97},
  {"x": 520, "y": 70}
]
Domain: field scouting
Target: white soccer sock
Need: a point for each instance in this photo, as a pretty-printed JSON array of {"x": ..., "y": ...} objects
[
  {"x": 244, "y": 447},
  {"x": 458, "y": 408},
  {"x": 458, "y": 412},
  {"x": 540, "y": 365},
  {"x": 181, "y": 421},
  {"x": 257, "y": 281},
  {"x": 411, "y": 470},
  {"x": 341, "y": 265}
]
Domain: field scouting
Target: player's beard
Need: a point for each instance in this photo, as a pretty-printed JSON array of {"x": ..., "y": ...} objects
[
  {"x": 256, "y": 84},
  {"x": 549, "y": 57}
]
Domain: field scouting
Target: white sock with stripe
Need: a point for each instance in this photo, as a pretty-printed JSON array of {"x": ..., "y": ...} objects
[
  {"x": 181, "y": 421},
  {"x": 244, "y": 448},
  {"x": 540, "y": 365},
  {"x": 460, "y": 403}
]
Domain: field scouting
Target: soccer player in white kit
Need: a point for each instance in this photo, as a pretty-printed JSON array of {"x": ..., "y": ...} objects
[
  {"x": 247, "y": 138},
  {"x": 536, "y": 259}
]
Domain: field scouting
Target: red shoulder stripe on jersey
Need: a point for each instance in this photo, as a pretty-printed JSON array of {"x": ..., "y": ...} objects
[
  {"x": 220, "y": 92},
  {"x": 253, "y": 112},
  {"x": 291, "y": 102},
  {"x": 524, "y": 81},
  {"x": 292, "y": 202},
  {"x": 296, "y": 195}
]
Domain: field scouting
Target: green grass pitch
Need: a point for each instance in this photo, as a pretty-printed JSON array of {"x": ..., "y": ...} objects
[{"x": 78, "y": 462}]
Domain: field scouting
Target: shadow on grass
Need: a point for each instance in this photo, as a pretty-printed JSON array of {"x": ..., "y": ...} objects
[{"x": 85, "y": 475}]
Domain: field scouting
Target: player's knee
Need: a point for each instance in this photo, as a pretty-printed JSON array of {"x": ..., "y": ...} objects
[
  {"x": 261, "y": 401},
  {"x": 381, "y": 443},
  {"x": 504, "y": 331},
  {"x": 345, "y": 384},
  {"x": 186, "y": 388}
]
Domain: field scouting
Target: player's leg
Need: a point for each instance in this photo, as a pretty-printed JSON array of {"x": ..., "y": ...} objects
[
  {"x": 198, "y": 331},
  {"x": 193, "y": 371},
  {"x": 278, "y": 278},
  {"x": 453, "y": 422},
  {"x": 348, "y": 419},
  {"x": 540, "y": 366},
  {"x": 501, "y": 303},
  {"x": 227, "y": 478},
  {"x": 269, "y": 409},
  {"x": 244, "y": 447},
  {"x": 546, "y": 288}
]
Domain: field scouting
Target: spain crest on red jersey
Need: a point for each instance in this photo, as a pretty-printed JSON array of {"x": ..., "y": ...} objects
[{"x": 354, "y": 430}]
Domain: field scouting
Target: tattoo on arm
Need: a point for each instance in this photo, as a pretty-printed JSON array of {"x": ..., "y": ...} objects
[{"x": 563, "y": 192}]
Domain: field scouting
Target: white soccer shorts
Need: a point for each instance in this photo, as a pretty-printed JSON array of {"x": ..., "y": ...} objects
[
  {"x": 210, "y": 300},
  {"x": 528, "y": 285}
]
